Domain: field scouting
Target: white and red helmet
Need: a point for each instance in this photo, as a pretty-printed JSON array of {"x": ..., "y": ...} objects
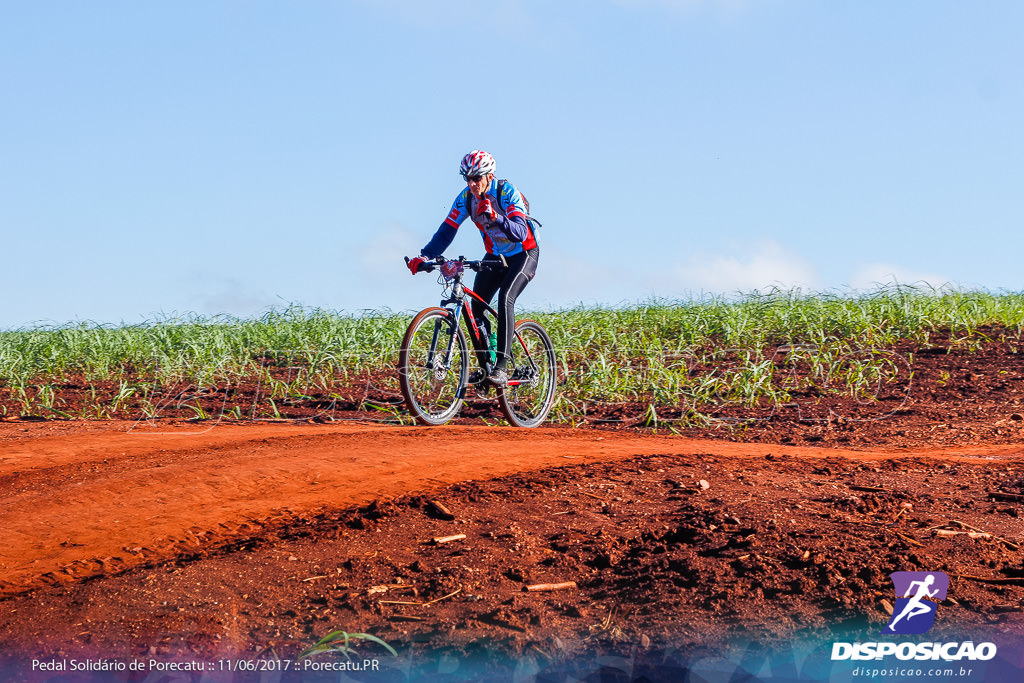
[{"x": 476, "y": 163}]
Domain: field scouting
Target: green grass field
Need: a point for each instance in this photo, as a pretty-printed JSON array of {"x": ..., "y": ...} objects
[{"x": 688, "y": 355}]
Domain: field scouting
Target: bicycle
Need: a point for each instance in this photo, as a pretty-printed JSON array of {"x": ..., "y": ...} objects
[{"x": 433, "y": 363}]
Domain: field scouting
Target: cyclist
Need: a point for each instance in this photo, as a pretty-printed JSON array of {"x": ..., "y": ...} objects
[{"x": 511, "y": 251}]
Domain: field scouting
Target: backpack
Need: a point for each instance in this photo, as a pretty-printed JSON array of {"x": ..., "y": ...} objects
[{"x": 534, "y": 223}]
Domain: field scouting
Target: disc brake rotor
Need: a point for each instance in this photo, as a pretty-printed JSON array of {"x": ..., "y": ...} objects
[{"x": 440, "y": 370}]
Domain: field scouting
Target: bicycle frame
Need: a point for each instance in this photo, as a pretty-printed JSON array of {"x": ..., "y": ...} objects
[{"x": 458, "y": 304}]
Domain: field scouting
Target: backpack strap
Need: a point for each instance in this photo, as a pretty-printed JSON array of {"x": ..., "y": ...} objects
[
  {"x": 501, "y": 188},
  {"x": 501, "y": 191},
  {"x": 534, "y": 223}
]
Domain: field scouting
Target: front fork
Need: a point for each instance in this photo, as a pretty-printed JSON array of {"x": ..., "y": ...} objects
[
  {"x": 456, "y": 315},
  {"x": 449, "y": 354}
]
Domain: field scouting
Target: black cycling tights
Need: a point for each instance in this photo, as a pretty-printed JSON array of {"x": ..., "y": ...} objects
[{"x": 509, "y": 284}]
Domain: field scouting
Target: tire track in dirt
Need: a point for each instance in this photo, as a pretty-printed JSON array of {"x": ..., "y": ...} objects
[{"x": 96, "y": 502}]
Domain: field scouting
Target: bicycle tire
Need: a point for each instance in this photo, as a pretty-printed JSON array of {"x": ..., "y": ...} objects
[
  {"x": 532, "y": 362},
  {"x": 433, "y": 383}
]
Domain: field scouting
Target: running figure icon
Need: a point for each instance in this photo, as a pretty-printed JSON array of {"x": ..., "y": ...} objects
[{"x": 916, "y": 596}]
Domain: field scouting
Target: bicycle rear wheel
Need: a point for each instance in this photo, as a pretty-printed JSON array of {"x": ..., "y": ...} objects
[
  {"x": 530, "y": 393},
  {"x": 433, "y": 366}
]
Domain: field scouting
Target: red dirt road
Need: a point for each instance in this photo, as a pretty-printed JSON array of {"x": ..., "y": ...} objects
[{"x": 89, "y": 499}]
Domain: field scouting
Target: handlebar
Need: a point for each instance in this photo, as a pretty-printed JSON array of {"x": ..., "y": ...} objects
[{"x": 428, "y": 266}]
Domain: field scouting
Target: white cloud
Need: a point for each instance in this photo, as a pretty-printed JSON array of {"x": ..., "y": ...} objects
[
  {"x": 386, "y": 248},
  {"x": 373, "y": 276},
  {"x": 872, "y": 275},
  {"x": 228, "y": 295},
  {"x": 565, "y": 279},
  {"x": 758, "y": 266}
]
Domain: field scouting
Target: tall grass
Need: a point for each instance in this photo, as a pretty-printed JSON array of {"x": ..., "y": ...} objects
[
  {"x": 196, "y": 346},
  {"x": 690, "y": 356},
  {"x": 719, "y": 351}
]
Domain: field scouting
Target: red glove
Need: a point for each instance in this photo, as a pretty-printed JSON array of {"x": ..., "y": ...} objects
[
  {"x": 484, "y": 208},
  {"x": 414, "y": 264}
]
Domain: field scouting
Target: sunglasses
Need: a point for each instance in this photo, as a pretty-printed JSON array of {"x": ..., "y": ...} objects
[{"x": 473, "y": 178}]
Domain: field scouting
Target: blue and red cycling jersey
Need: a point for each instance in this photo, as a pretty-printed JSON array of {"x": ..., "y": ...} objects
[{"x": 507, "y": 235}]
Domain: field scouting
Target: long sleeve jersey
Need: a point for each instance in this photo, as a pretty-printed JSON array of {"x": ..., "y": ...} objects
[{"x": 507, "y": 235}]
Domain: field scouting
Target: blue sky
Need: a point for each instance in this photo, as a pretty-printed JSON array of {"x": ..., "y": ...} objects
[{"x": 161, "y": 158}]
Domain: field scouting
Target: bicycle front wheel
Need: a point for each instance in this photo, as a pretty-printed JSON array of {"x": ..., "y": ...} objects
[
  {"x": 433, "y": 366},
  {"x": 530, "y": 393}
]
